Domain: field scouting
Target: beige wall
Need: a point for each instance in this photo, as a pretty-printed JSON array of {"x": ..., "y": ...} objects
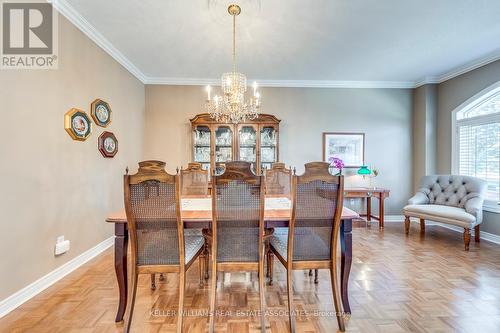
[
  {"x": 383, "y": 114},
  {"x": 451, "y": 94},
  {"x": 52, "y": 185}
]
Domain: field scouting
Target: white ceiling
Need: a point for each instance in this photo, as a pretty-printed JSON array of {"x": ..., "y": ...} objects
[{"x": 292, "y": 42}]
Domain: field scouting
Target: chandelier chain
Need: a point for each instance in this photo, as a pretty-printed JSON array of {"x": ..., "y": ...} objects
[
  {"x": 231, "y": 105},
  {"x": 234, "y": 43}
]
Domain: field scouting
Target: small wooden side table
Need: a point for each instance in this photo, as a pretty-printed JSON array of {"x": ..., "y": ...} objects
[{"x": 368, "y": 194}]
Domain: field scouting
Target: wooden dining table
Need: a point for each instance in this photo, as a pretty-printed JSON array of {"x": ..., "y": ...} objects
[{"x": 196, "y": 213}]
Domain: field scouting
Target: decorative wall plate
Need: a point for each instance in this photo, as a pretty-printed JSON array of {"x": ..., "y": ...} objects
[
  {"x": 100, "y": 112},
  {"x": 78, "y": 124},
  {"x": 107, "y": 144}
]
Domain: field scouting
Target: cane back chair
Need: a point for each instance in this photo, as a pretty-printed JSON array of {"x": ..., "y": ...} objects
[
  {"x": 237, "y": 227},
  {"x": 194, "y": 180},
  {"x": 278, "y": 181},
  {"x": 312, "y": 238},
  {"x": 194, "y": 183},
  {"x": 156, "y": 230}
]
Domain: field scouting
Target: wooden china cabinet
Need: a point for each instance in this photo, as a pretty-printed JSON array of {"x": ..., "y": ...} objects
[{"x": 215, "y": 143}]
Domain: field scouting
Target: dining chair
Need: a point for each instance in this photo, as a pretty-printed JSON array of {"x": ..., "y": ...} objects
[
  {"x": 194, "y": 183},
  {"x": 158, "y": 245},
  {"x": 278, "y": 183},
  {"x": 312, "y": 237},
  {"x": 237, "y": 228},
  {"x": 278, "y": 180},
  {"x": 194, "y": 180}
]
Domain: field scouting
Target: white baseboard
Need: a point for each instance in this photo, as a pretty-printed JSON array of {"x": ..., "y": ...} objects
[
  {"x": 484, "y": 235},
  {"x": 28, "y": 292},
  {"x": 393, "y": 218}
]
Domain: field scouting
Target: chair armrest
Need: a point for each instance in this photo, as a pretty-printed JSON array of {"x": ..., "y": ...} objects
[
  {"x": 474, "y": 206},
  {"x": 419, "y": 199}
]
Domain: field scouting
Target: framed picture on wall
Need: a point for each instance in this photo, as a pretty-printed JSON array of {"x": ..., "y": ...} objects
[{"x": 349, "y": 147}]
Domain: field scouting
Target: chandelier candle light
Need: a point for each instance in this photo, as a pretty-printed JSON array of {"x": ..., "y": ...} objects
[{"x": 231, "y": 106}]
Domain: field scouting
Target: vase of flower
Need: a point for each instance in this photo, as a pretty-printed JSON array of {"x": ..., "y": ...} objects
[{"x": 336, "y": 163}]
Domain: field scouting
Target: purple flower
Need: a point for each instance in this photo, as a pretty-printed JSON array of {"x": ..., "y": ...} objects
[{"x": 336, "y": 163}]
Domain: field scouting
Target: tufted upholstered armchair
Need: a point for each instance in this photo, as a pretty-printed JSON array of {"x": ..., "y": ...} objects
[{"x": 450, "y": 199}]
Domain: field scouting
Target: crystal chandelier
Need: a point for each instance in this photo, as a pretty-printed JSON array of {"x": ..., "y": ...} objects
[{"x": 231, "y": 106}]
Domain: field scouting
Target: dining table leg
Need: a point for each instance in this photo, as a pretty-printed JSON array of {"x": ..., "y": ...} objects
[
  {"x": 121, "y": 243},
  {"x": 346, "y": 261}
]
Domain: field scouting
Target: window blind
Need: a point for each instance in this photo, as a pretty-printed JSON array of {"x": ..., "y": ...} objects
[{"x": 479, "y": 154}]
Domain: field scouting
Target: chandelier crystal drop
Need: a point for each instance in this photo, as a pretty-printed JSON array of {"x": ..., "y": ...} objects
[{"x": 231, "y": 106}]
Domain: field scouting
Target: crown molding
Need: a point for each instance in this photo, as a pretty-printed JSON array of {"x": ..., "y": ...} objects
[
  {"x": 64, "y": 8},
  {"x": 437, "y": 79},
  {"x": 287, "y": 83},
  {"x": 468, "y": 67},
  {"x": 427, "y": 80}
]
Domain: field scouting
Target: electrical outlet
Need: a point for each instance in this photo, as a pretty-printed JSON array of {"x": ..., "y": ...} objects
[{"x": 62, "y": 246}]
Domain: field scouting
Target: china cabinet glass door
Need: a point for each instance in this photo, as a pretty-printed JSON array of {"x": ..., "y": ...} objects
[
  {"x": 247, "y": 141},
  {"x": 223, "y": 147},
  {"x": 268, "y": 147},
  {"x": 202, "y": 146}
]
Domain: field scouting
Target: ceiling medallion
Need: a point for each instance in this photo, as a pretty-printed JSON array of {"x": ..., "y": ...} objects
[{"x": 231, "y": 106}]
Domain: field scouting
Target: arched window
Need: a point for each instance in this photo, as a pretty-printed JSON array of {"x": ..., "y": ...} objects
[{"x": 477, "y": 140}]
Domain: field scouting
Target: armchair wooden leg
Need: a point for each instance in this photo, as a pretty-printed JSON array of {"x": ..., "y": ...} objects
[
  {"x": 213, "y": 295},
  {"x": 466, "y": 238},
  {"x": 407, "y": 225},
  {"x": 316, "y": 279},
  {"x": 201, "y": 261},
  {"x": 271, "y": 267},
  {"x": 477, "y": 234},
  {"x": 153, "y": 282},
  {"x": 266, "y": 255},
  {"x": 262, "y": 297},
  {"x": 130, "y": 307},
  {"x": 291, "y": 317},
  {"x": 310, "y": 272},
  {"x": 182, "y": 286},
  {"x": 336, "y": 298},
  {"x": 422, "y": 226},
  {"x": 207, "y": 258}
]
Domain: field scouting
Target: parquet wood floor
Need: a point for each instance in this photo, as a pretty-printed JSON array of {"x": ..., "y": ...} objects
[{"x": 398, "y": 284}]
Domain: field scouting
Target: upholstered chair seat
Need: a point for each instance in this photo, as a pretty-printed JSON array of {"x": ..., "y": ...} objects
[
  {"x": 450, "y": 199},
  {"x": 243, "y": 250},
  {"x": 159, "y": 243},
  {"x": 440, "y": 213},
  {"x": 308, "y": 244}
]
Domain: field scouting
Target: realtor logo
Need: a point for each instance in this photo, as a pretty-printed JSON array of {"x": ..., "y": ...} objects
[{"x": 29, "y": 39}]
